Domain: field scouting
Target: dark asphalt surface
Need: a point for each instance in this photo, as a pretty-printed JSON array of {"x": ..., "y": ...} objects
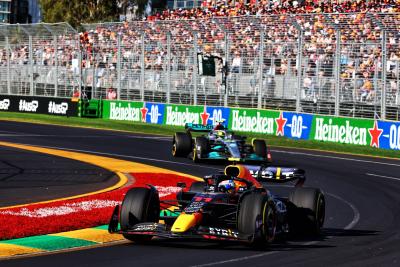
[
  {"x": 27, "y": 177},
  {"x": 362, "y": 219}
]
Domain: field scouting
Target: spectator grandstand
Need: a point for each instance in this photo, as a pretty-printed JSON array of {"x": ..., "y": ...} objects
[{"x": 330, "y": 58}]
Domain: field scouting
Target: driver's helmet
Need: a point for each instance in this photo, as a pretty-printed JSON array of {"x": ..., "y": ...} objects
[
  {"x": 227, "y": 186},
  {"x": 220, "y": 134}
]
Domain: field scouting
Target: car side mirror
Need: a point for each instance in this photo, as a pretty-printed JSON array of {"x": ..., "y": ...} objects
[{"x": 181, "y": 184}]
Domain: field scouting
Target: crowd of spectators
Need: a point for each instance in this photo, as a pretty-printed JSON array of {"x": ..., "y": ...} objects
[{"x": 222, "y": 8}]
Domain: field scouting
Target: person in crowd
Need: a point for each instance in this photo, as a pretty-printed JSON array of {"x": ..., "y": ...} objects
[{"x": 111, "y": 94}]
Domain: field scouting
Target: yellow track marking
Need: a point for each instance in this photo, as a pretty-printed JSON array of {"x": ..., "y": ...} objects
[
  {"x": 111, "y": 164},
  {"x": 94, "y": 235},
  {"x": 7, "y": 250},
  {"x": 122, "y": 181},
  {"x": 115, "y": 165}
]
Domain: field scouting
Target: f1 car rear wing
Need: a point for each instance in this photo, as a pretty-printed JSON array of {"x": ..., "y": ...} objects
[
  {"x": 263, "y": 174},
  {"x": 277, "y": 174},
  {"x": 193, "y": 127}
]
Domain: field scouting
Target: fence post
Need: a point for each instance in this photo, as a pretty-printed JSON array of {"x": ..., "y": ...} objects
[
  {"x": 195, "y": 68},
  {"x": 8, "y": 49},
  {"x": 169, "y": 67},
  {"x": 227, "y": 68},
  {"x": 31, "y": 65},
  {"x": 142, "y": 66},
  {"x": 337, "y": 73},
  {"x": 384, "y": 65},
  {"x": 299, "y": 71},
  {"x": 397, "y": 81},
  {"x": 80, "y": 71},
  {"x": 56, "y": 66},
  {"x": 94, "y": 79},
  {"x": 261, "y": 69},
  {"x": 119, "y": 68}
]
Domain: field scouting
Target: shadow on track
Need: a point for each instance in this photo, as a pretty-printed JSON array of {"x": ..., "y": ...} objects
[{"x": 294, "y": 243}]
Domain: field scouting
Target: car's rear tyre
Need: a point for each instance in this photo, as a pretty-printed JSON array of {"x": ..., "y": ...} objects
[
  {"x": 201, "y": 148},
  {"x": 308, "y": 214},
  {"x": 197, "y": 187},
  {"x": 181, "y": 144},
  {"x": 139, "y": 205},
  {"x": 257, "y": 217},
  {"x": 260, "y": 148}
]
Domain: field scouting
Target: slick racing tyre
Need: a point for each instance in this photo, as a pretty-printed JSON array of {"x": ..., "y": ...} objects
[
  {"x": 257, "y": 217},
  {"x": 197, "y": 187},
  {"x": 181, "y": 144},
  {"x": 139, "y": 205},
  {"x": 260, "y": 148},
  {"x": 308, "y": 214},
  {"x": 201, "y": 148}
]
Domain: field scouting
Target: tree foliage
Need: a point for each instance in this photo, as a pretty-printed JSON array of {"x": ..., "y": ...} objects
[{"x": 76, "y": 12}]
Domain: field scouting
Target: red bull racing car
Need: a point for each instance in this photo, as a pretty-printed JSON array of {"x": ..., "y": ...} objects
[
  {"x": 233, "y": 206},
  {"x": 218, "y": 144}
]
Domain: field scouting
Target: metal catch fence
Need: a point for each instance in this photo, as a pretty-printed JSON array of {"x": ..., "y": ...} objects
[{"x": 337, "y": 64}]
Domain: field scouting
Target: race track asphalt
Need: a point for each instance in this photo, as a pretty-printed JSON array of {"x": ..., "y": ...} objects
[
  {"x": 362, "y": 219},
  {"x": 31, "y": 177}
]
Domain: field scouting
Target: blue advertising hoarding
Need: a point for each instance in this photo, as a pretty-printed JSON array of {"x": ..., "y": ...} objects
[
  {"x": 217, "y": 114},
  {"x": 153, "y": 112},
  {"x": 298, "y": 125},
  {"x": 389, "y": 135}
]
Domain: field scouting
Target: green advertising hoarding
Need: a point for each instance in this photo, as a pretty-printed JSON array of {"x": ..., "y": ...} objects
[
  {"x": 122, "y": 110},
  {"x": 177, "y": 115},
  {"x": 253, "y": 120},
  {"x": 342, "y": 130}
]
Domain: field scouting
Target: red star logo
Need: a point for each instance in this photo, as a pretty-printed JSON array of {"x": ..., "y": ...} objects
[
  {"x": 281, "y": 121},
  {"x": 204, "y": 116},
  {"x": 375, "y": 134},
  {"x": 144, "y": 113}
]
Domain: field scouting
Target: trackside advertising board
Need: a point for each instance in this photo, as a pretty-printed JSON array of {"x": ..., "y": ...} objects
[
  {"x": 364, "y": 132},
  {"x": 153, "y": 113},
  {"x": 374, "y": 133},
  {"x": 342, "y": 130},
  {"x": 297, "y": 125},
  {"x": 123, "y": 111},
  {"x": 177, "y": 115},
  {"x": 389, "y": 138},
  {"x": 39, "y": 105}
]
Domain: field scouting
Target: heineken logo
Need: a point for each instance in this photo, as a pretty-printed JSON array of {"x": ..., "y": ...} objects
[
  {"x": 179, "y": 118},
  {"x": 328, "y": 131},
  {"x": 280, "y": 123},
  {"x": 204, "y": 116},
  {"x": 247, "y": 123},
  {"x": 144, "y": 111},
  {"x": 375, "y": 134},
  {"x": 127, "y": 113}
]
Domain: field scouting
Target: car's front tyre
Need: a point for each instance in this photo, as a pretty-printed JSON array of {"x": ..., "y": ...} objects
[
  {"x": 140, "y": 205},
  {"x": 257, "y": 218}
]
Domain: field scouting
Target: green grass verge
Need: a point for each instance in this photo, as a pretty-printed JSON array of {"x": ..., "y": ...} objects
[{"x": 170, "y": 130}]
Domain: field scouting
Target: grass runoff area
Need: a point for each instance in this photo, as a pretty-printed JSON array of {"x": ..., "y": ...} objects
[{"x": 273, "y": 141}]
